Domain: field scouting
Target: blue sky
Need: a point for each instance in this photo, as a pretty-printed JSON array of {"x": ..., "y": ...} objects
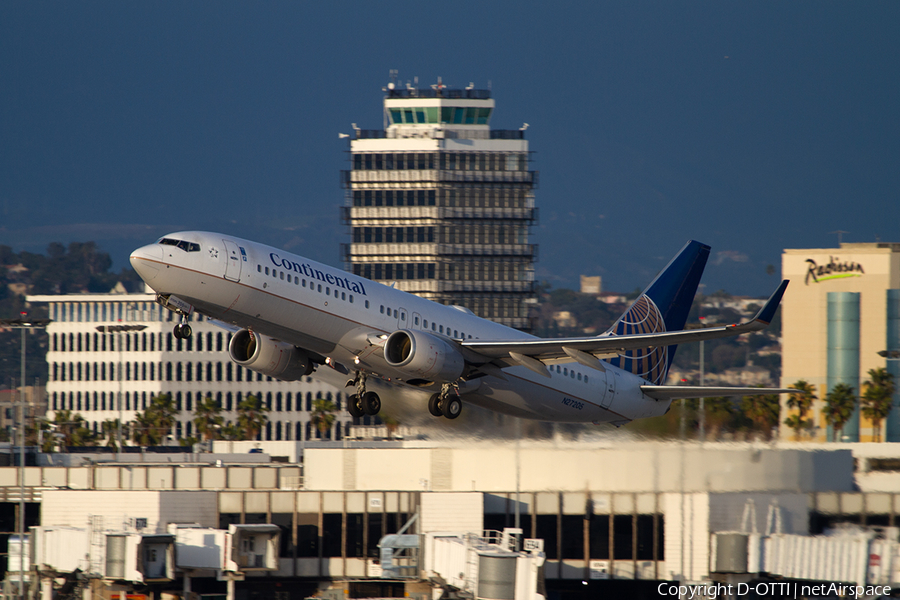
[{"x": 749, "y": 126}]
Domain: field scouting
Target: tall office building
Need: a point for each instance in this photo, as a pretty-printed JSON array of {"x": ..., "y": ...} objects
[
  {"x": 102, "y": 373},
  {"x": 441, "y": 205}
]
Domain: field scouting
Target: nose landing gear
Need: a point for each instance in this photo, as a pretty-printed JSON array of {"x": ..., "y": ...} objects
[{"x": 183, "y": 331}]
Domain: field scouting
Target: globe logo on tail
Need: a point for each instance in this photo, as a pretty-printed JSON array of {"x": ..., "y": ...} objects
[{"x": 650, "y": 363}]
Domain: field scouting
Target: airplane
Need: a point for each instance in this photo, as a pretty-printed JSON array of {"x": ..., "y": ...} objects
[{"x": 292, "y": 317}]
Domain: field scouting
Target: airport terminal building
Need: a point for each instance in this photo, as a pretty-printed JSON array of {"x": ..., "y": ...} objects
[{"x": 841, "y": 311}]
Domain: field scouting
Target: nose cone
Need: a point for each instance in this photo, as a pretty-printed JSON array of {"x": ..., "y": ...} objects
[{"x": 147, "y": 260}]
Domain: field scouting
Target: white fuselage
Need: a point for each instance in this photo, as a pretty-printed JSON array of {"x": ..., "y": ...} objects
[{"x": 340, "y": 316}]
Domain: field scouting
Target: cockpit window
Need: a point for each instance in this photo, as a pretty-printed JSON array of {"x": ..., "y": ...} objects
[{"x": 186, "y": 246}]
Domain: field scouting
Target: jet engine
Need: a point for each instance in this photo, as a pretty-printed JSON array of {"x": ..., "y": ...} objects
[
  {"x": 421, "y": 355},
  {"x": 269, "y": 356}
]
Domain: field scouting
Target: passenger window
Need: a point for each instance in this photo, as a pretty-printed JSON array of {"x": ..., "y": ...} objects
[
  {"x": 415, "y": 320},
  {"x": 304, "y": 283},
  {"x": 565, "y": 371},
  {"x": 320, "y": 288},
  {"x": 259, "y": 268},
  {"x": 343, "y": 296},
  {"x": 432, "y": 326},
  {"x": 442, "y": 329},
  {"x": 327, "y": 291},
  {"x": 382, "y": 309},
  {"x": 572, "y": 375},
  {"x": 282, "y": 275},
  {"x": 579, "y": 377},
  {"x": 267, "y": 270},
  {"x": 367, "y": 304},
  {"x": 425, "y": 323},
  {"x": 585, "y": 379},
  {"x": 455, "y": 333},
  {"x": 351, "y": 298}
]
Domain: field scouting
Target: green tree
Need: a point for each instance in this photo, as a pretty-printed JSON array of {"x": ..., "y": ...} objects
[
  {"x": 840, "y": 403},
  {"x": 877, "y": 398},
  {"x": 801, "y": 402},
  {"x": 208, "y": 419},
  {"x": 251, "y": 417},
  {"x": 232, "y": 432},
  {"x": 110, "y": 431},
  {"x": 151, "y": 427},
  {"x": 391, "y": 423},
  {"x": 42, "y": 434},
  {"x": 719, "y": 414},
  {"x": 143, "y": 430},
  {"x": 764, "y": 410},
  {"x": 73, "y": 429},
  {"x": 323, "y": 414}
]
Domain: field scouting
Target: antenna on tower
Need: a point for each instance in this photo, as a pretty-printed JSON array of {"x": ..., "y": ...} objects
[{"x": 840, "y": 233}]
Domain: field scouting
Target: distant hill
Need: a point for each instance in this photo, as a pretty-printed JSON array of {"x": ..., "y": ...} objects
[{"x": 80, "y": 268}]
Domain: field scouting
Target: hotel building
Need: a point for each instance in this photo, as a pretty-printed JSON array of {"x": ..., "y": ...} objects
[{"x": 840, "y": 311}]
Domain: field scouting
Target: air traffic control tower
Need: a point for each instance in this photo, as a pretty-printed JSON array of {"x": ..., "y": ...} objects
[{"x": 441, "y": 205}]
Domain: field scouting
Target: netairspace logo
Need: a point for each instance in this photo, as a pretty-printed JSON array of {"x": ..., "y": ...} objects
[{"x": 781, "y": 589}]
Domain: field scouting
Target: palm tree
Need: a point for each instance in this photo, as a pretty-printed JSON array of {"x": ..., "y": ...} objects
[
  {"x": 840, "y": 403},
  {"x": 110, "y": 430},
  {"x": 73, "y": 429},
  {"x": 719, "y": 412},
  {"x": 143, "y": 430},
  {"x": 802, "y": 402},
  {"x": 323, "y": 414},
  {"x": 151, "y": 427},
  {"x": 391, "y": 423},
  {"x": 764, "y": 410},
  {"x": 43, "y": 430},
  {"x": 232, "y": 432},
  {"x": 877, "y": 398},
  {"x": 208, "y": 419},
  {"x": 252, "y": 416}
]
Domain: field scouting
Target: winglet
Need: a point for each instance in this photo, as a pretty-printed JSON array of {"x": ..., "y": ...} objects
[{"x": 767, "y": 312}]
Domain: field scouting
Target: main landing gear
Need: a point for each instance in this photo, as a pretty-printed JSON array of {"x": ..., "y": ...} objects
[
  {"x": 445, "y": 404},
  {"x": 362, "y": 402}
]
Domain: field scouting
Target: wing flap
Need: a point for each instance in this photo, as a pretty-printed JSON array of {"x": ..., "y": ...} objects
[
  {"x": 555, "y": 348},
  {"x": 676, "y": 392}
]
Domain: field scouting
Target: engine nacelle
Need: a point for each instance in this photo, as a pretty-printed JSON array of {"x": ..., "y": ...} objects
[
  {"x": 421, "y": 355},
  {"x": 268, "y": 356}
]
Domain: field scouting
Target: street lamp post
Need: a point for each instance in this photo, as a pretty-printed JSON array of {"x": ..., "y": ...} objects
[
  {"x": 120, "y": 329},
  {"x": 22, "y": 324}
]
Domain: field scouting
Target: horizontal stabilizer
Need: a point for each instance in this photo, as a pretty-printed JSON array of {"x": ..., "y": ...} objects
[{"x": 675, "y": 392}]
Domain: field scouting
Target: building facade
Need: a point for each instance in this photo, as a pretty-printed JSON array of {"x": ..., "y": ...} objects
[
  {"x": 841, "y": 310},
  {"x": 104, "y": 375},
  {"x": 441, "y": 205}
]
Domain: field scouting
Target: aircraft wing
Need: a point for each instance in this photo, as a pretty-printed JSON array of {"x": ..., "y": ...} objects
[
  {"x": 588, "y": 350},
  {"x": 675, "y": 392}
]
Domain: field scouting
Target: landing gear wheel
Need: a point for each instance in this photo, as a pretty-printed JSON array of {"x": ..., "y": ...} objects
[
  {"x": 451, "y": 406},
  {"x": 353, "y": 406},
  {"x": 371, "y": 403},
  {"x": 434, "y": 405},
  {"x": 183, "y": 331}
]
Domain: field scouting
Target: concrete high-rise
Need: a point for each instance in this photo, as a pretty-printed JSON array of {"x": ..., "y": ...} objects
[{"x": 441, "y": 205}]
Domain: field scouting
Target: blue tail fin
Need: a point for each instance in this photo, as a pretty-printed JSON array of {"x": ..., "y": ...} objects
[{"x": 663, "y": 306}]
